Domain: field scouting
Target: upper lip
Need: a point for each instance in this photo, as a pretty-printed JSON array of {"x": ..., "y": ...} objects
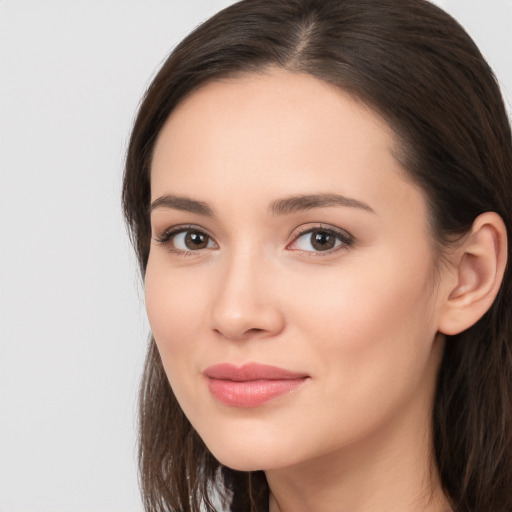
[{"x": 250, "y": 372}]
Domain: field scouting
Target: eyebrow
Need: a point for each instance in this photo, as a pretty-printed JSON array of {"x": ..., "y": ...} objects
[
  {"x": 181, "y": 203},
  {"x": 282, "y": 206},
  {"x": 307, "y": 202}
]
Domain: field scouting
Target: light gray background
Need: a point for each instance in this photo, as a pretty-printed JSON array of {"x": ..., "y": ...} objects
[{"x": 72, "y": 324}]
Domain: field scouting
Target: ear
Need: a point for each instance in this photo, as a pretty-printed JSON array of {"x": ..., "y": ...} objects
[{"x": 477, "y": 272}]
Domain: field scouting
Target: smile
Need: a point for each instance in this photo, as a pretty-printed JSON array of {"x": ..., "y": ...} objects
[{"x": 251, "y": 385}]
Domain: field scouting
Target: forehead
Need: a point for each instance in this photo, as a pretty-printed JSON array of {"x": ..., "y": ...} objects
[
  {"x": 274, "y": 134},
  {"x": 272, "y": 108}
]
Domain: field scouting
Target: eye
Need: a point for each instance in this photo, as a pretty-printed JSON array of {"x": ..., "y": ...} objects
[
  {"x": 186, "y": 240},
  {"x": 192, "y": 241},
  {"x": 320, "y": 240}
]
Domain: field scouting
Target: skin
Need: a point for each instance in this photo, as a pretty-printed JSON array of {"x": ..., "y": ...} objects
[{"x": 361, "y": 320}]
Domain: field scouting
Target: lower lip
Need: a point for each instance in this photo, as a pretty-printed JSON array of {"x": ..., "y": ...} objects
[{"x": 251, "y": 393}]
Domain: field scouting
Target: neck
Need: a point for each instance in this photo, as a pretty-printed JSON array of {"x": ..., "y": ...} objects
[
  {"x": 391, "y": 470},
  {"x": 385, "y": 478}
]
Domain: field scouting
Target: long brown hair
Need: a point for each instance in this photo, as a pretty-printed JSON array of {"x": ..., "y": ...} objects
[{"x": 415, "y": 66}]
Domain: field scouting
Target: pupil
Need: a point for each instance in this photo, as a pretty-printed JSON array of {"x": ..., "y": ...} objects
[
  {"x": 322, "y": 241},
  {"x": 195, "y": 240}
]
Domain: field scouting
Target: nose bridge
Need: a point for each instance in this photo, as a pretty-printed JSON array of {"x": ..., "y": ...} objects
[{"x": 244, "y": 303}]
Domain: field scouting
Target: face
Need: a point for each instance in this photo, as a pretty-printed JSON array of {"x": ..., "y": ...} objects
[{"x": 289, "y": 285}]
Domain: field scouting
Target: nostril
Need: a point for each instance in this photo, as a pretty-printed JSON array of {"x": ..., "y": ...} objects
[
  {"x": 245, "y": 319},
  {"x": 246, "y": 334},
  {"x": 255, "y": 330}
]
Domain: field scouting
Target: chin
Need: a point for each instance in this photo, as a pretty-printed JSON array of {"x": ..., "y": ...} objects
[{"x": 248, "y": 457}]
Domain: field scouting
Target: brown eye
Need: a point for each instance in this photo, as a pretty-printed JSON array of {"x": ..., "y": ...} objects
[
  {"x": 318, "y": 240},
  {"x": 322, "y": 240},
  {"x": 196, "y": 240},
  {"x": 186, "y": 240}
]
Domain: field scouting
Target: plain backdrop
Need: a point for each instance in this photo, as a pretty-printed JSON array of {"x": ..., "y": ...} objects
[{"x": 72, "y": 325}]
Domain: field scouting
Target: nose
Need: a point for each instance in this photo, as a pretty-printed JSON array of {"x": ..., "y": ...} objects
[{"x": 246, "y": 302}]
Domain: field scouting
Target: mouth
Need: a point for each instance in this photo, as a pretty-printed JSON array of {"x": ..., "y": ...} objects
[{"x": 252, "y": 384}]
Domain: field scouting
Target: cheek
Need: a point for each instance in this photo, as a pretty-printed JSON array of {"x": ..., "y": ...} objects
[
  {"x": 376, "y": 316},
  {"x": 369, "y": 344},
  {"x": 175, "y": 305}
]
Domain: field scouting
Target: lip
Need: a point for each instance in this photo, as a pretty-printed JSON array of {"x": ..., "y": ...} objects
[{"x": 252, "y": 384}]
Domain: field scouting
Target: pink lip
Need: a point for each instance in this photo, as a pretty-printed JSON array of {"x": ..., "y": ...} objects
[{"x": 252, "y": 384}]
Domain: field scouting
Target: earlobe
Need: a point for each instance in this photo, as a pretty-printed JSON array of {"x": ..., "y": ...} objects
[{"x": 480, "y": 264}]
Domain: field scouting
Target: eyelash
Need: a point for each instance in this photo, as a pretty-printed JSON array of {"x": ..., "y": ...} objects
[
  {"x": 344, "y": 237},
  {"x": 168, "y": 235}
]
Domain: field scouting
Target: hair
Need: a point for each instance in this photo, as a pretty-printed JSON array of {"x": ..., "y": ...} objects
[{"x": 416, "y": 67}]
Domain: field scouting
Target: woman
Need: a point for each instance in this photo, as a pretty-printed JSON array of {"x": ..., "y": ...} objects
[{"x": 319, "y": 193}]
